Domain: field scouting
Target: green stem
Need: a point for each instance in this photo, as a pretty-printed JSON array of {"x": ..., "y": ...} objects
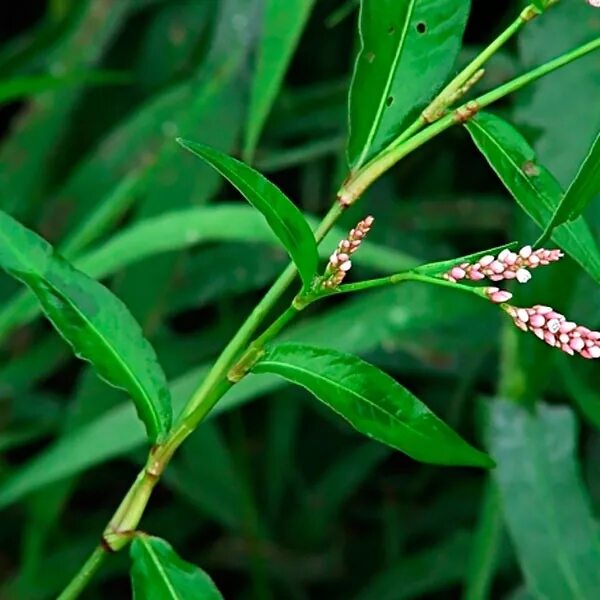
[
  {"x": 87, "y": 571},
  {"x": 449, "y": 94},
  {"x": 203, "y": 395},
  {"x": 398, "y": 278},
  {"x": 357, "y": 185}
]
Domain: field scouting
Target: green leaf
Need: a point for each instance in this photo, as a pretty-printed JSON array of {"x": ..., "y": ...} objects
[
  {"x": 397, "y": 315},
  {"x": 158, "y": 573},
  {"x": 443, "y": 266},
  {"x": 46, "y": 120},
  {"x": 282, "y": 27},
  {"x": 532, "y": 186},
  {"x": 543, "y": 500},
  {"x": 94, "y": 321},
  {"x": 285, "y": 218},
  {"x": 182, "y": 229},
  {"x": 561, "y": 144},
  {"x": 422, "y": 573},
  {"x": 407, "y": 51},
  {"x": 372, "y": 402},
  {"x": 583, "y": 189},
  {"x": 212, "y": 486},
  {"x": 22, "y": 87},
  {"x": 582, "y": 392}
]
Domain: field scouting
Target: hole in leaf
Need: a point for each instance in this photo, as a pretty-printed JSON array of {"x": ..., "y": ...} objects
[
  {"x": 389, "y": 100},
  {"x": 370, "y": 56},
  {"x": 421, "y": 27},
  {"x": 391, "y": 30}
]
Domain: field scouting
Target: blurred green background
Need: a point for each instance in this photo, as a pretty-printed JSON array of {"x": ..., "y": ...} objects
[{"x": 277, "y": 498}]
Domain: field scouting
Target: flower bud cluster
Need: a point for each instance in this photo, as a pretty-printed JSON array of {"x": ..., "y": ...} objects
[
  {"x": 507, "y": 265},
  {"x": 339, "y": 262},
  {"x": 554, "y": 329}
]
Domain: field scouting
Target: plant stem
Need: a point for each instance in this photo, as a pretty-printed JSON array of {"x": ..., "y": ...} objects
[
  {"x": 87, "y": 571},
  {"x": 129, "y": 512},
  {"x": 400, "y": 278},
  {"x": 451, "y": 92},
  {"x": 236, "y": 345},
  {"x": 357, "y": 185}
]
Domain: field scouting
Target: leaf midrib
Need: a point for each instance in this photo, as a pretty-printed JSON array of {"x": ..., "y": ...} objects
[
  {"x": 293, "y": 248},
  {"x": 113, "y": 352},
  {"x": 390, "y": 78},
  {"x": 158, "y": 565},
  {"x": 523, "y": 177},
  {"x": 318, "y": 376}
]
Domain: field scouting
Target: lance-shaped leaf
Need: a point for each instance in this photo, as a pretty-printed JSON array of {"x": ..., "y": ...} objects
[
  {"x": 371, "y": 401},
  {"x": 281, "y": 214},
  {"x": 158, "y": 573},
  {"x": 544, "y": 502},
  {"x": 533, "y": 187},
  {"x": 407, "y": 51},
  {"x": 177, "y": 230},
  {"x": 283, "y": 23},
  {"x": 442, "y": 266},
  {"x": 583, "y": 189},
  {"x": 92, "y": 319}
]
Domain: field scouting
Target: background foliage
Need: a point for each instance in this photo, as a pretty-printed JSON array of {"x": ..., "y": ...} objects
[{"x": 278, "y": 498}]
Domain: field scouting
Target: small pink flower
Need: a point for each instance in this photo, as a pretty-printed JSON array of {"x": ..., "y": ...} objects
[
  {"x": 497, "y": 295},
  {"x": 554, "y": 329},
  {"x": 507, "y": 265},
  {"x": 594, "y": 3},
  {"x": 339, "y": 262}
]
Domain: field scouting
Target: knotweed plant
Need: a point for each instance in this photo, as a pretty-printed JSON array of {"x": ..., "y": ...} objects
[{"x": 401, "y": 97}]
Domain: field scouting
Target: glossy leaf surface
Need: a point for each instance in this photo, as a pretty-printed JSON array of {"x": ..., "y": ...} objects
[
  {"x": 285, "y": 218},
  {"x": 282, "y": 26},
  {"x": 178, "y": 230},
  {"x": 584, "y": 188},
  {"x": 158, "y": 573},
  {"x": 544, "y": 501},
  {"x": 94, "y": 321},
  {"x": 372, "y": 402},
  {"x": 397, "y": 313},
  {"x": 408, "y": 49},
  {"x": 532, "y": 186}
]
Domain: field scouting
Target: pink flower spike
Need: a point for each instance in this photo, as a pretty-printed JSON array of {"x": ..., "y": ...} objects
[
  {"x": 339, "y": 262},
  {"x": 498, "y": 296},
  {"x": 553, "y": 328},
  {"x": 507, "y": 265}
]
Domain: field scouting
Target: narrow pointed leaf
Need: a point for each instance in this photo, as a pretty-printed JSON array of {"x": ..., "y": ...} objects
[
  {"x": 158, "y": 573},
  {"x": 372, "y": 402},
  {"x": 544, "y": 502},
  {"x": 94, "y": 321},
  {"x": 22, "y": 87},
  {"x": 407, "y": 51},
  {"x": 533, "y": 187},
  {"x": 281, "y": 214},
  {"x": 437, "y": 268},
  {"x": 583, "y": 189},
  {"x": 282, "y": 26},
  {"x": 177, "y": 230}
]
